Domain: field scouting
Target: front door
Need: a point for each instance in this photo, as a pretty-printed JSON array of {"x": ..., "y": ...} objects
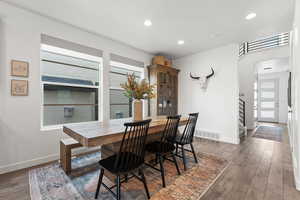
[{"x": 267, "y": 104}]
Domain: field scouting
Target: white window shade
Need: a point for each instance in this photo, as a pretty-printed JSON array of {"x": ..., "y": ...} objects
[
  {"x": 61, "y": 43},
  {"x": 125, "y": 60}
]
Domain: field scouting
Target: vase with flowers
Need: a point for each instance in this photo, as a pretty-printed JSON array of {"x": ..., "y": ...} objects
[{"x": 137, "y": 91}]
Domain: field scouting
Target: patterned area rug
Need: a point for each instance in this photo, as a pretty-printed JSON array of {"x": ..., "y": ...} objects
[
  {"x": 269, "y": 132},
  {"x": 51, "y": 183}
]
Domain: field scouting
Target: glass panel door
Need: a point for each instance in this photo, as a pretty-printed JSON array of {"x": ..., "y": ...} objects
[{"x": 268, "y": 100}]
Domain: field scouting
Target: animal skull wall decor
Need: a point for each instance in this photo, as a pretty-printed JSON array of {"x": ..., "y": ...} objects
[{"x": 203, "y": 79}]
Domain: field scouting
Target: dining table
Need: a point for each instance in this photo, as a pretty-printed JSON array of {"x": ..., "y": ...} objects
[{"x": 108, "y": 134}]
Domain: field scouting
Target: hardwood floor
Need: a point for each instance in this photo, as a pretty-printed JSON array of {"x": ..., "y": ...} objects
[{"x": 259, "y": 170}]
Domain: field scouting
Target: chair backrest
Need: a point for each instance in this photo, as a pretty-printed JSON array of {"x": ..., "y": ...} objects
[
  {"x": 170, "y": 131},
  {"x": 132, "y": 148},
  {"x": 189, "y": 130}
]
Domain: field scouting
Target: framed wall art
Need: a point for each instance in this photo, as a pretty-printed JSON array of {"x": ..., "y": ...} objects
[
  {"x": 19, "y": 87},
  {"x": 19, "y": 68}
]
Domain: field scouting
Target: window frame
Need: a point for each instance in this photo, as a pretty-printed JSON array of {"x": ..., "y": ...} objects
[
  {"x": 66, "y": 52},
  {"x": 127, "y": 67}
]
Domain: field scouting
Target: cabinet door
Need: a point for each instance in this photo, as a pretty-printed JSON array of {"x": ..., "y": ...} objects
[{"x": 167, "y": 94}]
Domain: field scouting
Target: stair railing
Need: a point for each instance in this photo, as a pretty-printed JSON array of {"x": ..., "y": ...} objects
[{"x": 242, "y": 112}]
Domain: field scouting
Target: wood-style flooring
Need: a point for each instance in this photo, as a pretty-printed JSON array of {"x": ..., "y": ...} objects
[{"x": 259, "y": 170}]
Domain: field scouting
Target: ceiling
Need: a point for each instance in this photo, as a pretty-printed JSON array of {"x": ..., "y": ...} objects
[
  {"x": 202, "y": 24},
  {"x": 272, "y": 66}
]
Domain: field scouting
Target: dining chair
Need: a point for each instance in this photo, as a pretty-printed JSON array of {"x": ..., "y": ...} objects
[
  {"x": 186, "y": 138},
  {"x": 128, "y": 160},
  {"x": 165, "y": 146}
]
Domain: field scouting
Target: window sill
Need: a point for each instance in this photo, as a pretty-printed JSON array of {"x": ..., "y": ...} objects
[
  {"x": 52, "y": 128},
  {"x": 60, "y": 126}
]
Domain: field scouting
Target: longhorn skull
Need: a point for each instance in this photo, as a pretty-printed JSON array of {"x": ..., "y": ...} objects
[{"x": 203, "y": 79}]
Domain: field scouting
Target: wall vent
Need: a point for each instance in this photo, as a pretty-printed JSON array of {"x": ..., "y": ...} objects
[
  {"x": 207, "y": 135},
  {"x": 278, "y": 40}
]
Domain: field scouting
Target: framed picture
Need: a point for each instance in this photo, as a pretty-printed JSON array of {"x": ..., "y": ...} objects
[
  {"x": 19, "y": 68},
  {"x": 19, "y": 87}
]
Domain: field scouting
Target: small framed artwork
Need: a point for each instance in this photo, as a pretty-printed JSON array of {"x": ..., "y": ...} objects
[
  {"x": 19, "y": 87},
  {"x": 19, "y": 68}
]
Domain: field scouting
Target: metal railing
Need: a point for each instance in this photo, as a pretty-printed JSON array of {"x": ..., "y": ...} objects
[
  {"x": 278, "y": 40},
  {"x": 242, "y": 112}
]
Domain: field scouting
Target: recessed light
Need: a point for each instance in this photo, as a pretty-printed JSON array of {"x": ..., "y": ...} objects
[
  {"x": 267, "y": 68},
  {"x": 180, "y": 42},
  {"x": 251, "y": 16},
  {"x": 148, "y": 22}
]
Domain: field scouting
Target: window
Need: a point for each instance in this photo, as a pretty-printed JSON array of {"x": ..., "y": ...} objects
[
  {"x": 120, "y": 106},
  {"x": 255, "y": 101},
  {"x": 70, "y": 83}
]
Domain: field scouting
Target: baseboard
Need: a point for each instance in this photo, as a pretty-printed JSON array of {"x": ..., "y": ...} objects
[
  {"x": 297, "y": 183},
  {"x": 41, "y": 160},
  {"x": 295, "y": 167},
  {"x": 230, "y": 140},
  {"x": 214, "y": 136},
  {"x": 28, "y": 163}
]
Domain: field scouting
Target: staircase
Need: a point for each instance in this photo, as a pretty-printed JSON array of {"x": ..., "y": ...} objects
[{"x": 242, "y": 119}]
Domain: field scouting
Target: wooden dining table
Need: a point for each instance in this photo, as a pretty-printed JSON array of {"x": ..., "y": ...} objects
[{"x": 108, "y": 134}]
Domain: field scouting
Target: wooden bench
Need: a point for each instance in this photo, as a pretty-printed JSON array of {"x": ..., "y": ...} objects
[{"x": 66, "y": 146}]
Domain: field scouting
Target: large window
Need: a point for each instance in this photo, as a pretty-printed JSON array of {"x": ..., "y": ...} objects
[
  {"x": 255, "y": 100},
  {"x": 70, "y": 82},
  {"x": 120, "y": 106}
]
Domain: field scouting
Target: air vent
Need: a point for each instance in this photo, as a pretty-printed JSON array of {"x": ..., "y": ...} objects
[
  {"x": 207, "y": 135},
  {"x": 278, "y": 40}
]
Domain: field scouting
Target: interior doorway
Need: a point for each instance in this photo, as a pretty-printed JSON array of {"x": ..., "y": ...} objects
[{"x": 271, "y": 91}]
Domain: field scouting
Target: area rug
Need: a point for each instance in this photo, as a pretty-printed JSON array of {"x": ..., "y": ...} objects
[
  {"x": 51, "y": 183},
  {"x": 269, "y": 132}
]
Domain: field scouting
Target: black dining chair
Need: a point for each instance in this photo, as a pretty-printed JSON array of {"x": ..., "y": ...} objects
[
  {"x": 186, "y": 138},
  {"x": 128, "y": 160},
  {"x": 165, "y": 146}
]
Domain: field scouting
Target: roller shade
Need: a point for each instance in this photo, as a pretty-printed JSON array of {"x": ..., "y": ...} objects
[
  {"x": 53, "y": 41},
  {"x": 127, "y": 61}
]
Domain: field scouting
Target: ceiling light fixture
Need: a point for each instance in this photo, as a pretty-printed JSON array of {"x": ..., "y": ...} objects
[
  {"x": 148, "y": 22},
  {"x": 180, "y": 42},
  {"x": 251, "y": 16},
  {"x": 268, "y": 68}
]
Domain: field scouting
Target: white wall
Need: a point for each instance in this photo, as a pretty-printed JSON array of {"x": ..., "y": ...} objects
[
  {"x": 22, "y": 143},
  {"x": 294, "y": 120},
  {"x": 283, "y": 78},
  {"x": 218, "y": 105},
  {"x": 246, "y": 69}
]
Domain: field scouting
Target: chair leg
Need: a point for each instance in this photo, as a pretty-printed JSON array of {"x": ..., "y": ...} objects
[
  {"x": 126, "y": 178},
  {"x": 195, "y": 157},
  {"x": 176, "y": 164},
  {"x": 118, "y": 188},
  {"x": 144, "y": 182},
  {"x": 99, "y": 183},
  {"x": 183, "y": 157},
  {"x": 162, "y": 170},
  {"x": 156, "y": 159}
]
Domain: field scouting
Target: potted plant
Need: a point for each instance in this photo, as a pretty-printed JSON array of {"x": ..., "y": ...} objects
[{"x": 137, "y": 91}]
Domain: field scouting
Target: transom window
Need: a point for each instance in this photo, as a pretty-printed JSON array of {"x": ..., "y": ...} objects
[
  {"x": 120, "y": 106},
  {"x": 70, "y": 83}
]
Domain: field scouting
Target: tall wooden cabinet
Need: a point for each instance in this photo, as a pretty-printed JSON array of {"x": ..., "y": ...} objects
[{"x": 166, "y": 80}]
